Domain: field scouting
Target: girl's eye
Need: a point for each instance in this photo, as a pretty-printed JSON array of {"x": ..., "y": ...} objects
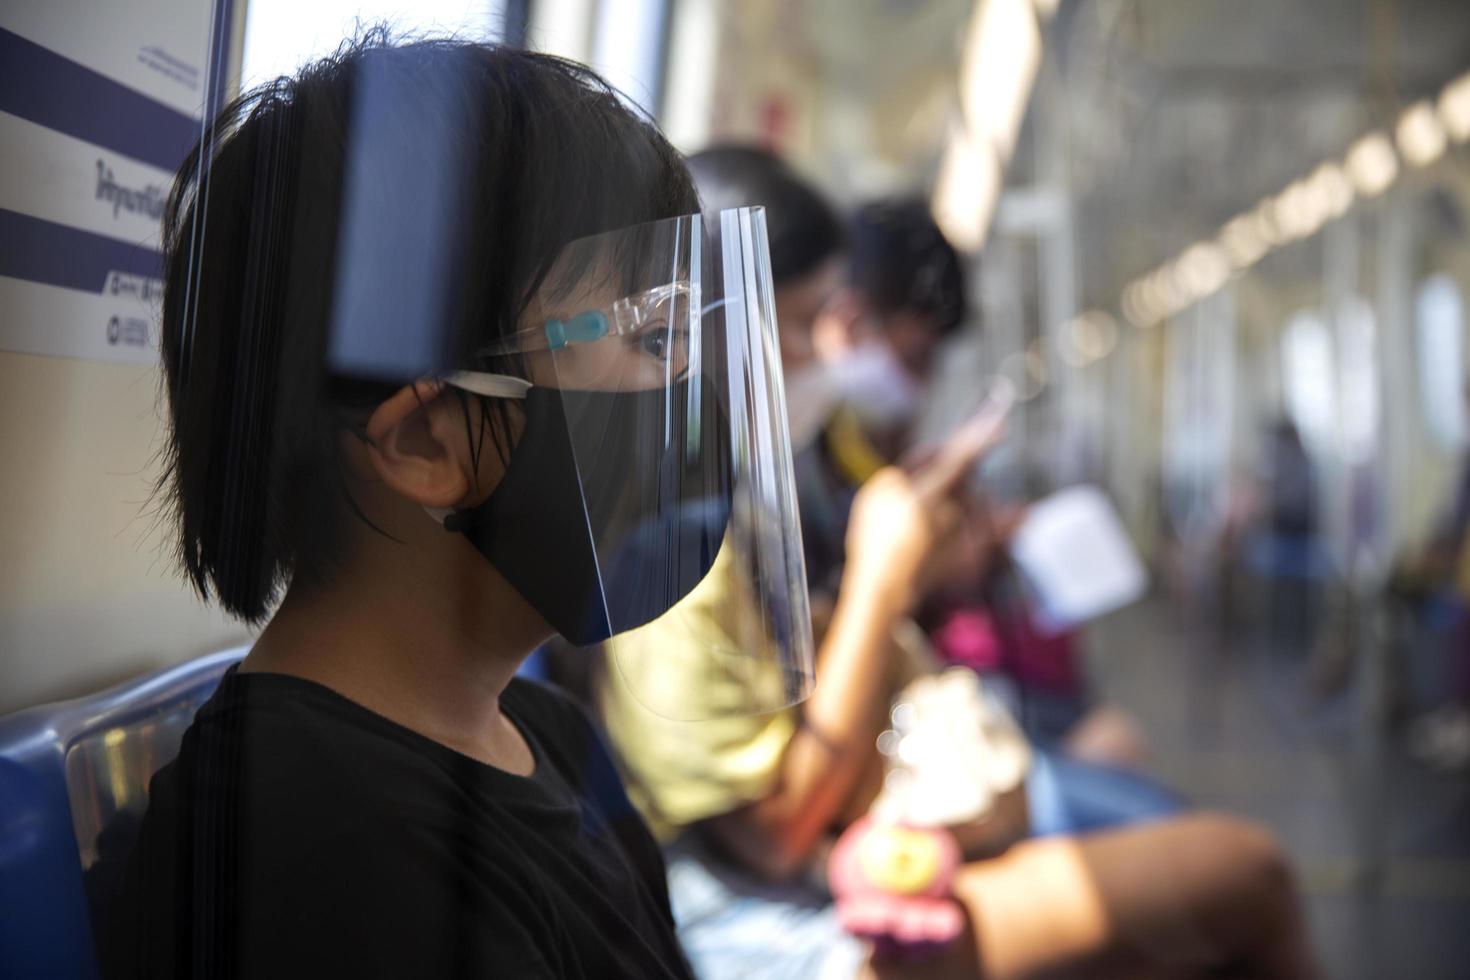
[{"x": 655, "y": 343}]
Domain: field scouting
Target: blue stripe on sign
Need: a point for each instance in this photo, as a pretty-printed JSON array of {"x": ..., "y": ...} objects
[
  {"x": 43, "y": 87},
  {"x": 57, "y": 255}
]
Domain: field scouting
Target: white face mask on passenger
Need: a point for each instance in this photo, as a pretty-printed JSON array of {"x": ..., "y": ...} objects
[
  {"x": 812, "y": 395},
  {"x": 875, "y": 384}
]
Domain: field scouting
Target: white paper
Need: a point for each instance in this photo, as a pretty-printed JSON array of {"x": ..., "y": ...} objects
[{"x": 1077, "y": 558}]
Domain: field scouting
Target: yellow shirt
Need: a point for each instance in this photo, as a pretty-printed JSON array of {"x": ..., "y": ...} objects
[
  {"x": 702, "y": 660},
  {"x": 692, "y": 663}
]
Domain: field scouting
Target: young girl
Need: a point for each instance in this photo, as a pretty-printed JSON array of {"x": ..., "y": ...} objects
[{"x": 439, "y": 388}]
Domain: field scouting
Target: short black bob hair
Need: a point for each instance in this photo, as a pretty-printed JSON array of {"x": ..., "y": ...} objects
[
  {"x": 540, "y": 152},
  {"x": 900, "y": 260},
  {"x": 804, "y": 230}
]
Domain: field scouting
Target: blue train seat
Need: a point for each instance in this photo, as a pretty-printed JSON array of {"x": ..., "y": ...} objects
[{"x": 67, "y": 771}]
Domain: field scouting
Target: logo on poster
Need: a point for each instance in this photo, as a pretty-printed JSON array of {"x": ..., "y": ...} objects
[
  {"x": 147, "y": 200},
  {"x": 129, "y": 331},
  {"x": 176, "y": 69},
  {"x": 145, "y": 288}
]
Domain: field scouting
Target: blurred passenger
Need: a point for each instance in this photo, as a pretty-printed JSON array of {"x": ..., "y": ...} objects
[
  {"x": 808, "y": 241},
  {"x": 1434, "y": 586},
  {"x": 1285, "y": 550},
  {"x": 747, "y": 806},
  {"x": 905, "y": 296}
]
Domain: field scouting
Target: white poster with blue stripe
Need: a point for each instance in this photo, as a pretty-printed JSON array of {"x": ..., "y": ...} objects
[{"x": 99, "y": 105}]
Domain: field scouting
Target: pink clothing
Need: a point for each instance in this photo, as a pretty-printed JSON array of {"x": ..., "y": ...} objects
[{"x": 969, "y": 636}]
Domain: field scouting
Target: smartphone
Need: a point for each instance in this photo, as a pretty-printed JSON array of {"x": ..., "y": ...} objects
[
  {"x": 977, "y": 432},
  {"x": 952, "y": 458}
]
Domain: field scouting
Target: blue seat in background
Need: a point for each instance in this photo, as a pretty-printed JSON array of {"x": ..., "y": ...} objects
[
  {"x": 535, "y": 667},
  {"x": 67, "y": 770}
]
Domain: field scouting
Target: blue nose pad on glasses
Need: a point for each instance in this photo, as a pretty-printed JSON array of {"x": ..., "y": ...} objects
[{"x": 584, "y": 327}]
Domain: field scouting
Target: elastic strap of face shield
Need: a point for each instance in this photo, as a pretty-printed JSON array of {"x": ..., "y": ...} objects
[{"x": 487, "y": 386}]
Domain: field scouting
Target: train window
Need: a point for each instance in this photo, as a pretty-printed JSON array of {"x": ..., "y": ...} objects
[
  {"x": 1308, "y": 381},
  {"x": 1439, "y": 321}
]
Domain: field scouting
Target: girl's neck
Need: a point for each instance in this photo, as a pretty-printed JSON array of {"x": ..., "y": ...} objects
[{"x": 433, "y": 656}]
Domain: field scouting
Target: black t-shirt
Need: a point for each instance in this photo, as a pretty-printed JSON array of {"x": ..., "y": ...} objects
[{"x": 299, "y": 834}]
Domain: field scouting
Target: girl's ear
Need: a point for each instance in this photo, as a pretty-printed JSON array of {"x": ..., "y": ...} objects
[{"x": 415, "y": 448}]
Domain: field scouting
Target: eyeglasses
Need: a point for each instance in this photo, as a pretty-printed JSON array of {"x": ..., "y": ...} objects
[{"x": 664, "y": 307}]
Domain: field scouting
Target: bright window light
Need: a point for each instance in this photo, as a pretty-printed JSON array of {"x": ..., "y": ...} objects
[
  {"x": 283, "y": 35},
  {"x": 1439, "y": 315},
  {"x": 1001, "y": 58},
  {"x": 1002, "y": 55},
  {"x": 628, "y": 47},
  {"x": 1309, "y": 379},
  {"x": 562, "y": 27},
  {"x": 1358, "y": 394},
  {"x": 966, "y": 191}
]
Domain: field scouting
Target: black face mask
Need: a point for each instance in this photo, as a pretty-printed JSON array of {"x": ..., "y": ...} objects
[{"x": 605, "y": 518}]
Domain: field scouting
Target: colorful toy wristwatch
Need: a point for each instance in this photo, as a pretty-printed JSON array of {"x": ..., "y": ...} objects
[{"x": 893, "y": 886}]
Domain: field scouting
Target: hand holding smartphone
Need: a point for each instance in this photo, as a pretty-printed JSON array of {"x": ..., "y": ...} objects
[
  {"x": 944, "y": 466},
  {"x": 907, "y": 521}
]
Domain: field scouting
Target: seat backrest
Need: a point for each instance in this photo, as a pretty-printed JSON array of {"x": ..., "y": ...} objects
[{"x": 68, "y": 771}]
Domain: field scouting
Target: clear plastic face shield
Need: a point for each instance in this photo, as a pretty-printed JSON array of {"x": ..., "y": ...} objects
[{"x": 655, "y": 422}]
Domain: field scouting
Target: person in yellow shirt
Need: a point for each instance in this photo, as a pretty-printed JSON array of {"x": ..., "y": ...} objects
[{"x": 746, "y": 805}]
